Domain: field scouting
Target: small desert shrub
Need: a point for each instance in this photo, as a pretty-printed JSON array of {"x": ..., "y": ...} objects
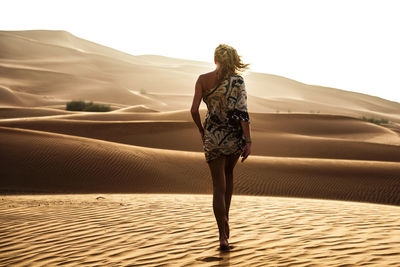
[
  {"x": 87, "y": 106},
  {"x": 143, "y": 91},
  {"x": 97, "y": 107},
  {"x": 376, "y": 121},
  {"x": 75, "y": 105}
]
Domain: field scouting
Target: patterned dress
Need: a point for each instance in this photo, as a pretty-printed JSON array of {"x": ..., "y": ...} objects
[{"x": 227, "y": 105}]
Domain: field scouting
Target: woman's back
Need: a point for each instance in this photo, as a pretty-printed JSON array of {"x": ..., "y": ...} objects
[
  {"x": 209, "y": 80},
  {"x": 229, "y": 95},
  {"x": 223, "y": 131}
]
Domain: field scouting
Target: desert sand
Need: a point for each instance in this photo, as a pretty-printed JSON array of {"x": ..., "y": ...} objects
[
  {"x": 179, "y": 230},
  {"x": 311, "y": 192}
]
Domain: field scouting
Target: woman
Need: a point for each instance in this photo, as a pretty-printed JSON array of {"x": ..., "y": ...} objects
[{"x": 226, "y": 132}]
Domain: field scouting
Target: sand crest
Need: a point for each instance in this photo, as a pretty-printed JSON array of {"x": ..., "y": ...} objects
[{"x": 63, "y": 163}]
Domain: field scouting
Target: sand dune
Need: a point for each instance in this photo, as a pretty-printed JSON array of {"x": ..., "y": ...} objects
[
  {"x": 22, "y": 112},
  {"x": 63, "y": 163},
  {"x": 9, "y": 97},
  {"x": 137, "y": 108},
  {"x": 308, "y": 142},
  {"x": 282, "y": 135},
  {"x": 293, "y": 124},
  {"x": 179, "y": 230},
  {"x": 60, "y": 60}
]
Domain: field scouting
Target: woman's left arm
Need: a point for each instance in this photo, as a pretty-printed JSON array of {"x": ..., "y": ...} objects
[{"x": 198, "y": 94}]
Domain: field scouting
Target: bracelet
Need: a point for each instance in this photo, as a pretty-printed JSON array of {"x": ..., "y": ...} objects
[{"x": 248, "y": 140}]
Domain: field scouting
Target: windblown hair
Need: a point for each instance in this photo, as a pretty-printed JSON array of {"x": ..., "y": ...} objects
[{"x": 230, "y": 62}]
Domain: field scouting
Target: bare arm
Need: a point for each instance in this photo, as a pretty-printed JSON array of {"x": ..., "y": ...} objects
[
  {"x": 241, "y": 105},
  {"x": 246, "y": 129},
  {"x": 198, "y": 94}
]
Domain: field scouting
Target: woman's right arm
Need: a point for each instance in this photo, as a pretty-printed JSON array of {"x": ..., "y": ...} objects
[
  {"x": 246, "y": 132},
  {"x": 241, "y": 106},
  {"x": 246, "y": 129}
]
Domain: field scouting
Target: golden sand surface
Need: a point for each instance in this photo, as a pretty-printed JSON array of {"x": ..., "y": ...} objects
[
  {"x": 38, "y": 161},
  {"x": 180, "y": 230},
  {"x": 309, "y": 141}
]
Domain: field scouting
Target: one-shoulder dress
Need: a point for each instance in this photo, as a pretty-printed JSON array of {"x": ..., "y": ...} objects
[{"x": 227, "y": 106}]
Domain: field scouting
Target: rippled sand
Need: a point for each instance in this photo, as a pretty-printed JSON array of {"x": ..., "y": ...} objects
[{"x": 180, "y": 230}]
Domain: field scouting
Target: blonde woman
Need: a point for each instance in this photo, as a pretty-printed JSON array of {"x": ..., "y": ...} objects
[{"x": 225, "y": 133}]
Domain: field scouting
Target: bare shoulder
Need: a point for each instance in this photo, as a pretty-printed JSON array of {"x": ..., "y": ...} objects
[
  {"x": 208, "y": 79},
  {"x": 200, "y": 79},
  {"x": 208, "y": 75}
]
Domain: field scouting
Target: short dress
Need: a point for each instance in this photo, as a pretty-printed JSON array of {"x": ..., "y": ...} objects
[{"x": 227, "y": 106}]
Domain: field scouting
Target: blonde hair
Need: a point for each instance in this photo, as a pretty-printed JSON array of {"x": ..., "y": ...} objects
[{"x": 230, "y": 62}]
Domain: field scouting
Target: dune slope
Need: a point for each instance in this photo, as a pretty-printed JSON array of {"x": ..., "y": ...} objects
[
  {"x": 308, "y": 140},
  {"x": 63, "y": 163},
  {"x": 60, "y": 65}
]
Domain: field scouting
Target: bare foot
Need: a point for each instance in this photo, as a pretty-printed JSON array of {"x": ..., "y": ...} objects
[
  {"x": 223, "y": 244},
  {"x": 227, "y": 229}
]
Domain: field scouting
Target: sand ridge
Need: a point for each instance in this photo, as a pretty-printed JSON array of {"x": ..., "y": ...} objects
[
  {"x": 63, "y": 163},
  {"x": 60, "y": 60},
  {"x": 289, "y": 135},
  {"x": 301, "y": 132}
]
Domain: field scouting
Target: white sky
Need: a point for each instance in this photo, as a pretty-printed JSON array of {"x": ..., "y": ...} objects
[{"x": 347, "y": 44}]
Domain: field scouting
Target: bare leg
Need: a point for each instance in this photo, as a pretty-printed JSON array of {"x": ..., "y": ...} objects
[
  {"x": 219, "y": 187},
  {"x": 230, "y": 163}
]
